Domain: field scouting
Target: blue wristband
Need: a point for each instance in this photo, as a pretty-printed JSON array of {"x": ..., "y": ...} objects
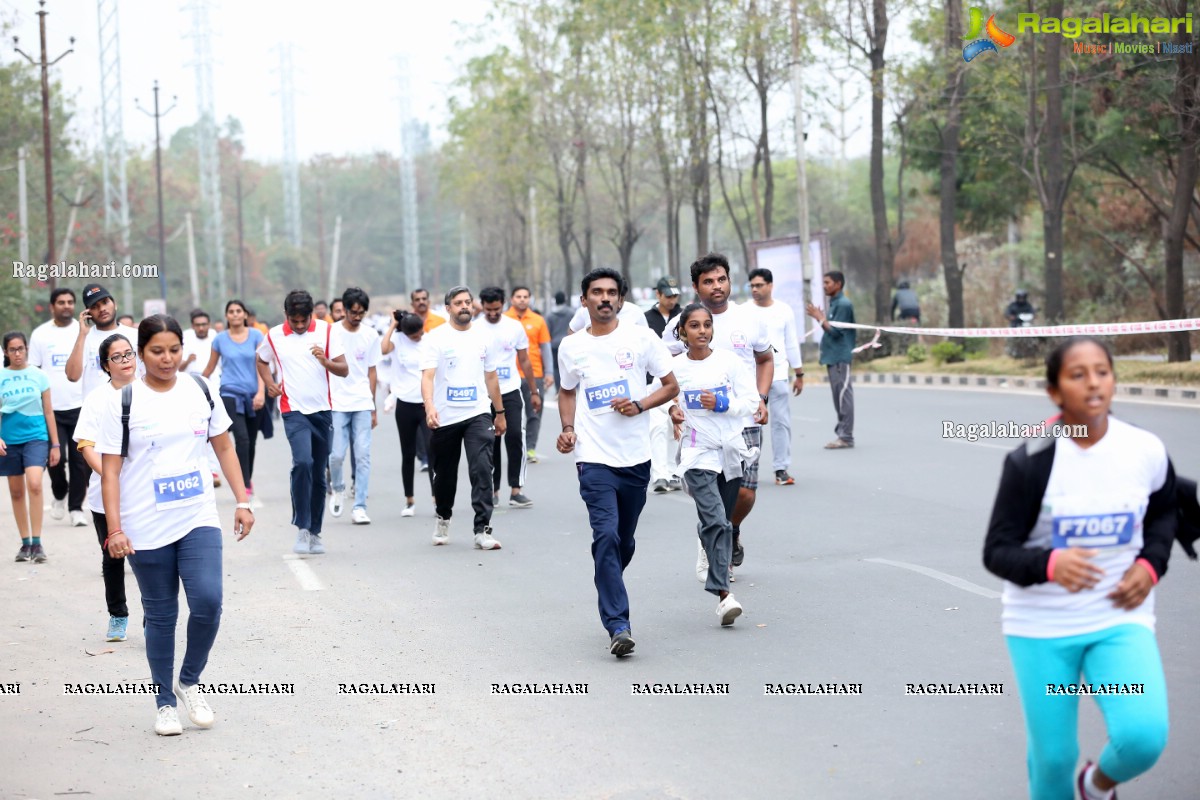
[{"x": 722, "y": 404}]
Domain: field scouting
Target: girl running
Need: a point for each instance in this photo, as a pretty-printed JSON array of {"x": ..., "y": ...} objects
[
  {"x": 242, "y": 390},
  {"x": 403, "y": 339}
]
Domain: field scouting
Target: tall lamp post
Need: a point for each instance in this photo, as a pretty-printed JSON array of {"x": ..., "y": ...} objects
[{"x": 162, "y": 244}]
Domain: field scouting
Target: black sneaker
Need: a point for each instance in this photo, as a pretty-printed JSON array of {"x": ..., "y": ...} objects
[
  {"x": 738, "y": 553},
  {"x": 660, "y": 487},
  {"x": 621, "y": 643},
  {"x": 38, "y": 554},
  {"x": 519, "y": 500},
  {"x": 25, "y": 553}
]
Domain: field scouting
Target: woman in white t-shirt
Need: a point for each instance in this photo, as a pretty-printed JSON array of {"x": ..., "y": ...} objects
[
  {"x": 1081, "y": 531},
  {"x": 162, "y": 513},
  {"x": 118, "y": 360},
  {"x": 402, "y": 341},
  {"x": 715, "y": 394}
]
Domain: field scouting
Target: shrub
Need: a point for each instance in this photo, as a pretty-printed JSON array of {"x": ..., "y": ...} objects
[
  {"x": 946, "y": 353},
  {"x": 917, "y": 353}
]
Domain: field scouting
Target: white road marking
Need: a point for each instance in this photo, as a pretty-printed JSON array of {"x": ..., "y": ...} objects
[
  {"x": 303, "y": 572},
  {"x": 975, "y": 588}
]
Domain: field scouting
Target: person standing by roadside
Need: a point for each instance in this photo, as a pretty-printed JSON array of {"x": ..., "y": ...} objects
[
  {"x": 28, "y": 441},
  {"x": 242, "y": 389},
  {"x": 402, "y": 342},
  {"x": 780, "y": 320},
  {"x": 49, "y": 348},
  {"x": 837, "y": 351},
  {"x": 558, "y": 322},
  {"x": 601, "y": 405},
  {"x": 662, "y": 474},
  {"x": 539, "y": 356},
  {"x": 305, "y": 352},
  {"x": 162, "y": 513},
  {"x": 353, "y": 396}
]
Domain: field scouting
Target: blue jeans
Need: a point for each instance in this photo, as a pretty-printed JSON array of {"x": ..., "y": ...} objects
[
  {"x": 349, "y": 425},
  {"x": 309, "y": 436},
  {"x": 614, "y": 497},
  {"x": 195, "y": 561},
  {"x": 1137, "y": 723}
]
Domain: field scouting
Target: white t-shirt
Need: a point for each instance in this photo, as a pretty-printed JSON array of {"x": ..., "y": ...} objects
[
  {"x": 166, "y": 483},
  {"x": 1096, "y": 498},
  {"x": 304, "y": 380},
  {"x": 404, "y": 381},
  {"x": 704, "y": 430},
  {"x": 88, "y": 429},
  {"x": 508, "y": 336},
  {"x": 780, "y": 321},
  {"x": 353, "y": 392},
  {"x": 203, "y": 350},
  {"x": 461, "y": 358},
  {"x": 93, "y": 375},
  {"x": 602, "y": 368},
  {"x": 628, "y": 313},
  {"x": 49, "y": 348},
  {"x": 737, "y": 330}
]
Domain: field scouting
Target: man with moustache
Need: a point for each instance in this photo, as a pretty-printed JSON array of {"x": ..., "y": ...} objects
[{"x": 97, "y": 322}]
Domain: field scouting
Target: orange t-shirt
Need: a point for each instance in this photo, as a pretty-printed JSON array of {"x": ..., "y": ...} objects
[
  {"x": 432, "y": 320},
  {"x": 259, "y": 326},
  {"x": 538, "y": 333}
]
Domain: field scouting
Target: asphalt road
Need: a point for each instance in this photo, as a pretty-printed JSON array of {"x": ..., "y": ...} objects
[{"x": 866, "y": 572}]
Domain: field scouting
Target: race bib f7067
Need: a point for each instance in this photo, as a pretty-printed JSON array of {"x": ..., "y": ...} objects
[{"x": 1093, "y": 530}]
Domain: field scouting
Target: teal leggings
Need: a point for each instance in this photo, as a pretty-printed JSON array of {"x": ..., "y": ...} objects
[{"x": 1137, "y": 723}]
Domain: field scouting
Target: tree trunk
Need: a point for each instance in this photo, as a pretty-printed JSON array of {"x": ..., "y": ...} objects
[
  {"x": 1187, "y": 110},
  {"x": 884, "y": 254},
  {"x": 956, "y": 87},
  {"x": 1055, "y": 193}
]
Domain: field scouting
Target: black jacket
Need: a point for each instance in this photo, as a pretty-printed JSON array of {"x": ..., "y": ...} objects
[{"x": 1019, "y": 502}]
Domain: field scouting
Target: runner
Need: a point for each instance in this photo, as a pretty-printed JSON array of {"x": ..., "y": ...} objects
[
  {"x": 197, "y": 352},
  {"x": 354, "y": 414},
  {"x": 539, "y": 357},
  {"x": 628, "y": 312},
  {"x": 118, "y": 360},
  {"x": 242, "y": 389},
  {"x": 403, "y": 342},
  {"x": 780, "y": 321},
  {"x": 305, "y": 353},
  {"x": 512, "y": 344},
  {"x": 1081, "y": 531},
  {"x": 49, "y": 348},
  {"x": 337, "y": 310},
  {"x": 420, "y": 307},
  {"x": 162, "y": 513},
  {"x": 606, "y": 366},
  {"x": 458, "y": 380},
  {"x": 662, "y": 442},
  {"x": 27, "y": 436},
  {"x": 738, "y": 330},
  {"x": 717, "y": 391}
]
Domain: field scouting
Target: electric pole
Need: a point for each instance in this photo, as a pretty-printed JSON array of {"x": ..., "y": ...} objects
[
  {"x": 46, "y": 155},
  {"x": 162, "y": 244}
]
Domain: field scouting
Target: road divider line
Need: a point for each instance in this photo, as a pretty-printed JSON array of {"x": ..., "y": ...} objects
[
  {"x": 304, "y": 575},
  {"x": 974, "y": 588}
]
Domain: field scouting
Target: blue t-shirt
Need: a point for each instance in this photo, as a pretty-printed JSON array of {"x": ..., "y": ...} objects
[
  {"x": 21, "y": 417},
  {"x": 239, "y": 373}
]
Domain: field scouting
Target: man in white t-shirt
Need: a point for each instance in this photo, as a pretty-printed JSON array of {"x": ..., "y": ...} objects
[
  {"x": 628, "y": 313},
  {"x": 50, "y": 346},
  {"x": 354, "y": 405},
  {"x": 602, "y": 400},
  {"x": 512, "y": 345},
  {"x": 461, "y": 392},
  {"x": 197, "y": 348},
  {"x": 740, "y": 331},
  {"x": 780, "y": 320},
  {"x": 304, "y": 352}
]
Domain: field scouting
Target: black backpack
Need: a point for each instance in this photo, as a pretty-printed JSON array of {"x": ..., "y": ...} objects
[{"x": 127, "y": 401}]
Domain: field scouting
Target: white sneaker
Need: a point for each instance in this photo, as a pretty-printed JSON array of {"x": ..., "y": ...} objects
[
  {"x": 78, "y": 520},
  {"x": 358, "y": 515},
  {"x": 728, "y": 610},
  {"x": 302, "y": 546},
  {"x": 167, "y": 722},
  {"x": 197, "y": 707},
  {"x": 409, "y": 511},
  {"x": 58, "y": 509},
  {"x": 484, "y": 540},
  {"x": 701, "y": 562},
  {"x": 314, "y": 544},
  {"x": 442, "y": 532},
  {"x": 336, "y": 502}
]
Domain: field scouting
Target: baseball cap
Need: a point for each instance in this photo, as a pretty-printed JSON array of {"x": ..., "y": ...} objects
[
  {"x": 93, "y": 293},
  {"x": 668, "y": 286}
]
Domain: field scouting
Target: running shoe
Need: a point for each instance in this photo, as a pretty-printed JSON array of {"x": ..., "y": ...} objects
[
  {"x": 783, "y": 479},
  {"x": 739, "y": 554},
  {"x": 336, "y": 503},
  {"x": 532, "y": 456},
  {"x": 24, "y": 553},
  {"x": 484, "y": 540},
  {"x": 167, "y": 722},
  {"x": 315, "y": 546},
  {"x": 674, "y": 485},
  {"x": 621, "y": 643},
  {"x": 701, "y": 562},
  {"x": 660, "y": 487},
  {"x": 358, "y": 515},
  {"x": 301, "y": 546},
  {"x": 38, "y": 554},
  {"x": 839, "y": 444},
  {"x": 197, "y": 707},
  {"x": 1080, "y": 785},
  {"x": 495, "y": 499},
  {"x": 424, "y": 467},
  {"x": 58, "y": 509},
  {"x": 78, "y": 520},
  {"x": 117, "y": 627},
  {"x": 519, "y": 500},
  {"x": 728, "y": 610},
  {"x": 441, "y": 534},
  {"x": 409, "y": 510}
]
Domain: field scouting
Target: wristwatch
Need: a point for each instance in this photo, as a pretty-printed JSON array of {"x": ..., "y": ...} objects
[
  {"x": 766, "y": 400},
  {"x": 639, "y": 407}
]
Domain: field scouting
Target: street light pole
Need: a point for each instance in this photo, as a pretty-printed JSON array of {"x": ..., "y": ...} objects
[
  {"x": 46, "y": 155},
  {"x": 162, "y": 244}
]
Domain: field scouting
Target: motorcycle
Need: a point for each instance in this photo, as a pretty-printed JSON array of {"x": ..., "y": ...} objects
[{"x": 1024, "y": 346}]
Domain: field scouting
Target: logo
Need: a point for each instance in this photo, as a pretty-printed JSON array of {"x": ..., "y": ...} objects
[
  {"x": 624, "y": 358},
  {"x": 995, "y": 36}
]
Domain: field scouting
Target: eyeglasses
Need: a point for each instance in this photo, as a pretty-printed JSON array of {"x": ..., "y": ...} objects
[
  {"x": 15, "y": 350},
  {"x": 121, "y": 358}
]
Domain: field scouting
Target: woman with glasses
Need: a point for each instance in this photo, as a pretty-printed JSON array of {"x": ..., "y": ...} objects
[
  {"x": 242, "y": 389},
  {"x": 28, "y": 440},
  {"x": 118, "y": 361}
]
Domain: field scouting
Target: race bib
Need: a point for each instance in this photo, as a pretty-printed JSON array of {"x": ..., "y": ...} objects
[
  {"x": 691, "y": 397},
  {"x": 1093, "y": 530},
  {"x": 504, "y": 373},
  {"x": 460, "y": 394},
  {"x": 59, "y": 359},
  {"x": 178, "y": 489},
  {"x": 599, "y": 398}
]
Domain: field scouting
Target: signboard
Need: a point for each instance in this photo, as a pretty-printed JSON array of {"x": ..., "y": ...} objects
[{"x": 782, "y": 256}]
